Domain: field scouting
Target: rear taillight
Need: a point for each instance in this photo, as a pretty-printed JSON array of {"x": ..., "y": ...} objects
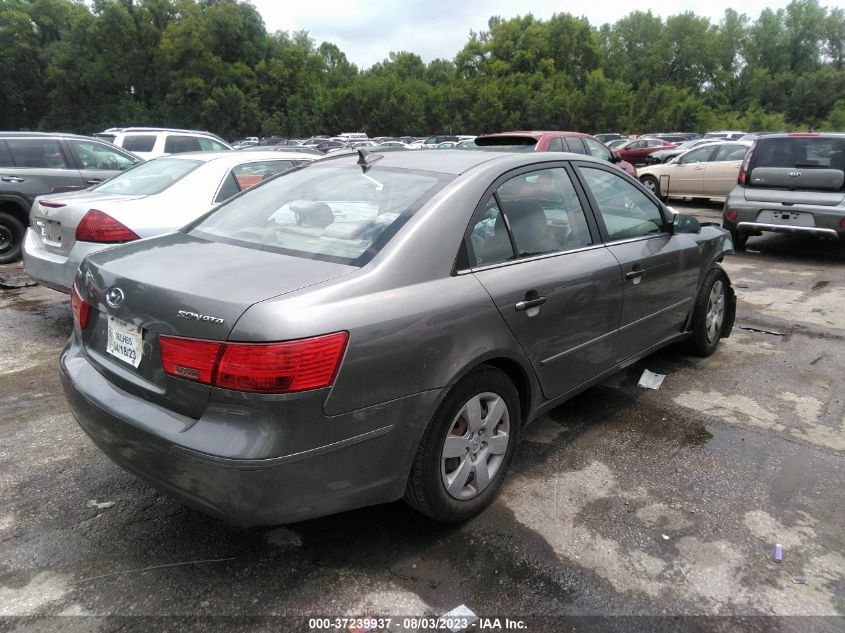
[
  {"x": 743, "y": 170},
  {"x": 842, "y": 223},
  {"x": 97, "y": 226},
  {"x": 731, "y": 215},
  {"x": 299, "y": 365},
  {"x": 189, "y": 358},
  {"x": 80, "y": 308},
  {"x": 51, "y": 204},
  {"x": 803, "y": 134}
]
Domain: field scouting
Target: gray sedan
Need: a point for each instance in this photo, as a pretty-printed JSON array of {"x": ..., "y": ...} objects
[{"x": 380, "y": 326}]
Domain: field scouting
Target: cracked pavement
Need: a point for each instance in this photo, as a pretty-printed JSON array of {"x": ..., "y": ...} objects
[{"x": 621, "y": 502}]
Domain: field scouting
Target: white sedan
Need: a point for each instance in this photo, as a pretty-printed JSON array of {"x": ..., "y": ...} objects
[
  {"x": 156, "y": 197},
  {"x": 707, "y": 171}
]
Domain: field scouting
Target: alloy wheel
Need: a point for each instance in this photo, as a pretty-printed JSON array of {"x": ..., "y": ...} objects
[
  {"x": 475, "y": 446},
  {"x": 715, "y": 310}
]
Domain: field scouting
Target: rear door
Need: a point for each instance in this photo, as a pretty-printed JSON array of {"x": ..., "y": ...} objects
[
  {"x": 36, "y": 166},
  {"x": 538, "y": 254},
  {"x": 721, "y": 172},
  {"x": 659, "y": 271}
]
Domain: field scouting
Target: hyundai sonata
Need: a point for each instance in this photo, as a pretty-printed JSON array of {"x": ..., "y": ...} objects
[{"x": 379, "y": 326}]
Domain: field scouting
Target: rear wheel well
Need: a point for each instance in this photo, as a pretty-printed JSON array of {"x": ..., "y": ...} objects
[
  {"x": 514, "y": 371},
  {"x": 14, "y": 209}
]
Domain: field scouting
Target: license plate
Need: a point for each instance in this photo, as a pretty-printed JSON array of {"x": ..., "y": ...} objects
[
  {"x": 796, "y": 218},
  {"x": 50, "y": 231},
  {"x": 125, "y": 341}
]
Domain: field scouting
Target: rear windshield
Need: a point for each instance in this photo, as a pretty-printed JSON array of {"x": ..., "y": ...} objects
[
  {"x": 332, "y": 213},
  {"x": 800, "y": 152},
  {"x": 150, "y": 178}
]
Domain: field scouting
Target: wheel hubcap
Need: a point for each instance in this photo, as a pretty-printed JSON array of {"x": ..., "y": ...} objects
[
  {"x": 6, "y": 239},
  {"x": 649, "y": 185},
  {"x": 475, "y": 446},
  {"x": 715, "y": 311}
]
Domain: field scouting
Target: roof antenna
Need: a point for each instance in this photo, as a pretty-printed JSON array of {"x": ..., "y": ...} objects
[{"x": 366, "y": 159}]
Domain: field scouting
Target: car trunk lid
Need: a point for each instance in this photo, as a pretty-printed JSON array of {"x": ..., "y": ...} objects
[
  {"x": 55, "y": 218},
  {"x": 182, "y": 286}
]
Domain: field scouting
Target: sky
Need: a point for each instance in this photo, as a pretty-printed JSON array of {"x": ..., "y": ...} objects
[{"x": 367, "y": 30}]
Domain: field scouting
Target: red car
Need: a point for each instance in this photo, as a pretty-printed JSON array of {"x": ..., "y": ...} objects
[
  {"x": 635, "y": 151},
  {"x": 574, "y": 142}
]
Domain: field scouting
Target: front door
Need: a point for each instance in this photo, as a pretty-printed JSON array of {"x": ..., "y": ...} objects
[
  {"x": 721, "y": 173},
  {"x": 556, "y": 286},
  {"x": 659, "y": 271}
]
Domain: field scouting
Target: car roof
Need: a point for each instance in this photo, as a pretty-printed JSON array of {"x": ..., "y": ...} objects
[
  {"x": 47, "y": 135},
  {"x": 802, "y": 135},
  {"x": 455, "y": 161},
  {"x": 235, "y": 157},
  {"x": 536, "y": 134}
]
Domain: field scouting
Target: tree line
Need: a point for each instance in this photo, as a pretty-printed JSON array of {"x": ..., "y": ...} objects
[{"x": 211, "y": 64}]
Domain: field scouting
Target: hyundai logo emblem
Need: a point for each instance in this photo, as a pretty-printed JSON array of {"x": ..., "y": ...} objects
[{"x": 114, "y": 297}]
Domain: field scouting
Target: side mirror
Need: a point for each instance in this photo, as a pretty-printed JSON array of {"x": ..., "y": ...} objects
[
  {"x": 615, "y": 158},
  {"x": 685, "y": 224}
]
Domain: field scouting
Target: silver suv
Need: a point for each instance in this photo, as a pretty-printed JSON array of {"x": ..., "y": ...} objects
[
  {"x": 789, "y": 183},
  {"x": 152, "y": 142}
]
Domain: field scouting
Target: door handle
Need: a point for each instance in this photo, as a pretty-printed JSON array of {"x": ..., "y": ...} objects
[
  {"x": 12, "y": 179},
  {"x": 522, "y": 306},
  {"x": 94, "y": 181},
  {"x": 635, "y": 272}
]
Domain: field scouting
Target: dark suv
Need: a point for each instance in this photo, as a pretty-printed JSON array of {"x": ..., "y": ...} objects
[
  {"x": 789, "y": 183},
  {"x": 34, "y": 163}
]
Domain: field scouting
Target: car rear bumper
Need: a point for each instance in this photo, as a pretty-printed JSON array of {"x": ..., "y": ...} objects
[
  {"x": 753, "y": 227},
  {"x": 756, "y": 217},
  {"x": 360, "y": 468},
  {"x": 51, "y": 269}
]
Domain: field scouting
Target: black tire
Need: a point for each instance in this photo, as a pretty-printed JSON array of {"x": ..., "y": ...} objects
[
  {"x": 702, "y": 342},
  {"x": 11, "y": 238},
  {"x": 739, "y": 239},
  {"x": 651, "y": 185},
  {"x": 426, "y": 491}
]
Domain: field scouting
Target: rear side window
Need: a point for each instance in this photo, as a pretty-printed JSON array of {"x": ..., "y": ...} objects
[
  {"x": 139, "y": 143},
  {"x": 245, "y": 176},
  {"x": 150, "y": 178},
  {"x": 38, "y": 153},
  {"x": 556, "y": 145},
  {"x": 181, "y": 144},
  {"x": 538, "y": 212},
  {"x": 332, "y": 213},
  {"x": 5, "y": 156}
]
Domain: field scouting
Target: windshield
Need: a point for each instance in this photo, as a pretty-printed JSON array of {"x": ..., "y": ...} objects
[
  {"x": 149, "y": 178},
  {"x": 333, "y": 213}
]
